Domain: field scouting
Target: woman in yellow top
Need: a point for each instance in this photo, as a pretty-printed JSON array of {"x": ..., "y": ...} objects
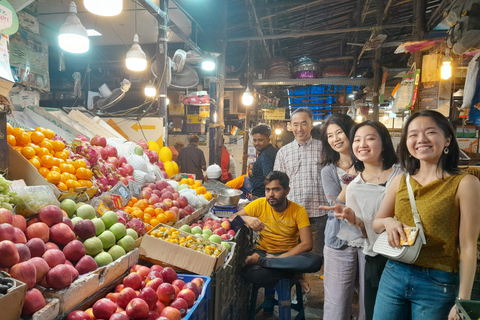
[{"x": 447, "y": 202}]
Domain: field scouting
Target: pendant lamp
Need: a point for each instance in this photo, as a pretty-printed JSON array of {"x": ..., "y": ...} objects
[
  {"x": 107, "y": 8},
  {"x": 150, "y": 90},
  {"x": 73, "y": 35},
  {"x": 136, "y": 58},
  {"x": 247, "y": 98}
]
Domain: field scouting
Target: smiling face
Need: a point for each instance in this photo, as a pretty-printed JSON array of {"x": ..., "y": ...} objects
[
  {"x": 425, "y": 140},
  {"x": 260, "y": 141},
  {"x": 302, "y": 126},
  {"x": 337, "y": 139},
  {"x": 367, "y": 145}
]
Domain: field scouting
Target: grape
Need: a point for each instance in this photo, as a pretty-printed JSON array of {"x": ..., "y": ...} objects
[{"x": 7, "y": 197}]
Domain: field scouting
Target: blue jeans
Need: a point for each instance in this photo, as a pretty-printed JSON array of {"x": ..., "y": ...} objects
[{"x": 411, "y": 292}]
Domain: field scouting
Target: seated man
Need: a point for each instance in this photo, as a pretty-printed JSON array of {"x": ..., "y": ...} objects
[{"x": 280, "y": 224}]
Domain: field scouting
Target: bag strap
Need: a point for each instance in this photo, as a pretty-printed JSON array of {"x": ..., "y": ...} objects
[{"x": 416, "y": 215}]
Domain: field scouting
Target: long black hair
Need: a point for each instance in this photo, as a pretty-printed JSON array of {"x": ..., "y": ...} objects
[
  {"x": 328, "y": 155},
  {"x": 389, "y": 157},
  {"x": 447, "y": 162}
]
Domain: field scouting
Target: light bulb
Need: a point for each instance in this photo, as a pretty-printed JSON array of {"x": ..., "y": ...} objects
[
  {"x": 168, "y": 101},
  {"x": 208, "y": 65},
  {"x": 446, "y": 71},
  {"x": 150, "y": 90},
  {"x": 278, "y": 131},
  {"x": 385, "y": 117},
  {"x": 107, "y": 8},
  {"x": 136, "y": 58},
  {"x": 247, "y": 98},
  {"x": 73, "y": 36},
  {"x": 359, "y": 118}
]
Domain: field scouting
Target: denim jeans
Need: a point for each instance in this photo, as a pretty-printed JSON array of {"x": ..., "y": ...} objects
[{"x": 412, "y": 292}]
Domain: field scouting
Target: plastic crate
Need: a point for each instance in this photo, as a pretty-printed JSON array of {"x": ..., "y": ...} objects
[
  {"x": 199, "y": 311},
  {"x": 468, "y": 309}
]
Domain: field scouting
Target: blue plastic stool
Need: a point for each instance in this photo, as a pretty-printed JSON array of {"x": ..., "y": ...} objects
[{"x": 284, "y": 301}]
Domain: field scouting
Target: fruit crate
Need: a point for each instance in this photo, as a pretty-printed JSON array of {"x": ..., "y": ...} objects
[
  {"x": 468, "y": 309},
  {"x": 11, "y": 304},
  {"x": 199, "y": 310}
]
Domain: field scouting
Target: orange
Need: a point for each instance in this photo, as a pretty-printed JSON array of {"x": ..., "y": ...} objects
[
  {"x": 9, "y": 128},
  {"x": 64, "y": 167},
  {"x": 150, "y": 211},
  {"x": 47, "y": 161},
  {"x": 40, "y": 129},
  {"x": 69, "y": 161},
  {"x": 183, "y": 181},
  {"x": 34, "y": 146},
  {"x": 19, "y": 149},
  {"x": 43, "y": 152},
  {"x": 148, "y": 227},
  {"x": 65, "y": 177},
  {"x": 197, "y": 184},
  {"x": 23, "y": 139},
  {"x": 154, "y": 222},
  {"x": 84, "y": 183},
  {"x": 133, "y": 199},
  {"x": 35, "y": 162},
  {"x": 137, "y": 213},
  {"x": 49, "y": 134},
  {"x": 81, "y": 173},
  {"x": 73, "y": 177},
  {"x": 142, "y": 204},
  {"x": 11, "y": 140},
  {"x": 162, "y": 218},
  {"x": 127, "y": 209},
  {"x": 89, "y": 184},
  {"x": 208, "y": 196},
  {"x": 37, "y": 137},
  {"x": 62, "y": 154},
  {"x": 80, "y": 164},
  {"x": 44, "y": 171},
  {"x": 70, "y": 183},
  {"x": 56, "y": 161},
  {"x": 17, "y": 132},
  {"x": 53, "y": 177},
  {"x": 147, "y": 218},
  {"x": 190, "y": 181},
  {"x": 56, "y": 169},
  {"x": 28, "y": 152},
  {"x": 170, "y": 216},
  {"x": 71, "y": 169},
  {"x": 158, "y": 211},
  {"x": 46, "y": 144},
  {"x": 62, "y": 186},
  {"x": 58, "y": 145}
]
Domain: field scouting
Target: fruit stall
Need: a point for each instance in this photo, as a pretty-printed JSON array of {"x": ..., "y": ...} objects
[{"x": 106, "y": 228}]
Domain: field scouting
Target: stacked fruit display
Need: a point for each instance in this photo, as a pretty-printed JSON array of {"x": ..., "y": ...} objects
[
  {"x": 209, "y": 225},
  {"x": 196, "y": 185},
  {"x": 160, "y": 203},
  {"x": 48, "y": 153},
  {"x": 187, "y": 240},
  {"x": 7, "y": 198},
  {"x": 146, "y": 293},
  {"x": 106, "y": 239}
]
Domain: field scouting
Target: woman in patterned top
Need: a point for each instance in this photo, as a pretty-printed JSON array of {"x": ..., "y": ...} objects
[
  {"x": 447, "y": 202},
  {"x": 340, "y": 260}
]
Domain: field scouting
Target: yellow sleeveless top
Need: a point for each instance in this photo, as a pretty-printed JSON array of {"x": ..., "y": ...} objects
[{"x": 440, "y": 215}]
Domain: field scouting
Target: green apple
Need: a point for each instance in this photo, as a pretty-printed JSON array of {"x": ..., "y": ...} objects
[
  {"x": 226, "y": 245},
  {"x": 69, "y": 206},
  {"x": 116, "y": 252},
  {"x": 215, "y": 238},
  {"x": 207, "y": 232},
  {"x": 86, "y": 212},
  {"x": 103, "y": 259},
  {"x": 196, "y": 230},
  {"x": 93, "y": 246},
  {"x": 79, "y": 204},
  {"x": 132, "y": 233},
  {"x": 119, "y": 230},
  {"x": 75, "y": 220},
  {"x": 107, "y": 238},
  {"x": 109, "y": 218},
  {"x": 127, "y": 243},
  {"x": 138, "y": 150},
  {"x": 205, "y": 236},
  {"x": 186, "y": 228},
  {"x": 99, "y": 225}
]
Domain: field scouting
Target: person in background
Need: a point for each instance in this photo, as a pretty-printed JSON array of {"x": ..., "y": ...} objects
[
  {"x": 340, "y": 260},
  {"x": 232, "y": 168},
  {"x": 191, "y": 159},
  {"x": 176, "y": 149},
  {"x": 224, "y": 164},
  {"x": 285, "y": 239},
  {"x": 243, "y": 183},
  {"x": 300, "y": 160},
  {"x": 214, "y": 173},
  {"x": 447, "y": 202},
  {"x": 266, "y": 154}
]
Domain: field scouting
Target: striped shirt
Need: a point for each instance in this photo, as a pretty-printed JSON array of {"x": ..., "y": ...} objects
[{"x": 302, "y": 165}]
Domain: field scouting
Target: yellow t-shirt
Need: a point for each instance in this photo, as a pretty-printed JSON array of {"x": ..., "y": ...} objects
[
  {"x": 236, "y": 183},
  {"x": 280, "y": 233}
]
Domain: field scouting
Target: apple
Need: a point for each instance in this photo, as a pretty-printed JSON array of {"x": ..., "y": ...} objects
[
  {"x": 182, "y": 214},
  {"x": 34, "y": 301},
  {"x": 6, "y": 216},
  {"x": 174, "y": 209},
  {"x": 116, "y": 252},
  {"x": 41, "y": 268},
  {"x": 19, "y": 236},
  {"x": 118, "y": 316},
  {"x": 168, "y": 274},
  {"x": 104, "y": 308},
  {"x": 215, "y": 238},
  {"x": 59, "y": 277},
  {"x": 8, "y": 254},
  {"x": 61, "y": 233},
  {"x": 153, "y": 275},
  {"x": 7, "y": 232},
  {"x": 54, "y": 257},
  {"x": 73, "y": 272},
  {"x": 193, "y": 287},
  {"x": 189, "y": 209},
  {"x": 119, "y": 288},
  {"x": 19, "y": 222},
  {"x": 168, "y": 202},
  {"x": 137, "y": 309},
  {"x": 79, "y": 315},
  {"x": 133, "y": 280},
  {"x": 226, "y": 225},
  {"x": 119, "y": 230},
  {"x": 149, "y": 296},
  {"x": 51, "y": 215},
  {"x": 231, "y": 232},
  {"x": 93, "y": 245},
  {"x": 99, "y": 226},
  {"x": 69, "y": 206},
  {"x": 170, "y": 314},
  {"x": 86, "y": 264},
  {"x": 154, "y": 283},
  {"x": 25, "y": 272},
  {"x": 146, "y": 193},
  {"x": 102, "y": 142},
  {"x": 23, "y": 252},
  {"x": 143, "y": 271},
  {"x": 86, "y": 211},
  {"x": 179, "y": 283},
  {"x": 199, "y": 282},
  {"x": 153, "y": 199},
  {"x": 127, "y": 243},
  {"x": 103, "y": 258},
  {"x": 181, "y": 305},
  {"x": 188, "y": 295},
  {"x": 125, "y": 296},
  {"x": 108, "y": 239},
  {"x": 85, "y": 229},
  {"x": 166, "y": 293}
]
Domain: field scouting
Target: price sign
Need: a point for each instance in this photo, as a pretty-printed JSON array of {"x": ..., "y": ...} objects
[{"x": 117, "y": 201}]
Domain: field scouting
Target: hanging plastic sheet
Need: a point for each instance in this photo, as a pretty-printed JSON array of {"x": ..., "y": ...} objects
[
  {"x": 470, "y": 81},
  {"x": 406, "y": 95}
]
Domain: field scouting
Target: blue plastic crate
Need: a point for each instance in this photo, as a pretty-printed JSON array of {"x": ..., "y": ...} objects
[{"x": 199, "y": 311}]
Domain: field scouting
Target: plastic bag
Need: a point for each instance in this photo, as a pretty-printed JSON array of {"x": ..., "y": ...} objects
[
  {"x": 406, "y": 95},
  {"x": 33, "y": 199},
  {"x": 470, "y": 82}
]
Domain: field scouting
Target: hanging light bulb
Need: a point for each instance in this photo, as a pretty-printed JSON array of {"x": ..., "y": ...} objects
[
  {"x": 73, "y": 35},
  {"x": 107, "y": 8},
  {"x": 385, "y": 117},
  {"x": 247, "y": 98},
  {"x": 150, "y": 90},
  {"x": 359, "y": 118},
  {"x": 278, "y": 131},
  {"x": 446, "y": 70},
  {"x": 208, "y": 63},
  {"x": 136, "y": 58},
  {"x": 168, "y": 101}
]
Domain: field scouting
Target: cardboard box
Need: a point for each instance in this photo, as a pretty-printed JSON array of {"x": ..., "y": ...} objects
[
  {"x": 468, "y": 144},
  {"x": 11, "y": 304},
  {"x": 176, "y": 109},
  {"x": 155, "y": 249},
  {"x": 88, "y": 284}
]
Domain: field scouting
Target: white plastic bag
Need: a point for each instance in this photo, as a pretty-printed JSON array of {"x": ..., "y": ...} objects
[{"x": 470, "y": 82}]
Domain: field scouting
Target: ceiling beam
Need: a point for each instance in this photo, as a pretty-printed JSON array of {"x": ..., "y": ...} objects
[
  {"x": 437, "y": 15},
  {"x": 317, "y": 33},
  {"x": 291, "y": 9},
  {"x": 188, "y": 15},
  {"x": 259, "y": 29}
]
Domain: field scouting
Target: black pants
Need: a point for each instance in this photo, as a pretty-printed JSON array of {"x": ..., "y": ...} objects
[
  {"x": 271, "y": 270},
  {"x": 373, "y": 272}
]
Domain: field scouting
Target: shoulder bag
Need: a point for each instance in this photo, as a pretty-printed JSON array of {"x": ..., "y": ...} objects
[{"x": 408, "y": 253}]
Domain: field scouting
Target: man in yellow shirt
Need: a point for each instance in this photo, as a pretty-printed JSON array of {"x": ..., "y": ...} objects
[{"x": 280, "y": 224}]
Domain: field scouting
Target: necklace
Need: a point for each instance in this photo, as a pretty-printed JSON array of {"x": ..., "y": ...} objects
[
  {"x": 283, "y": 214},
  {"x": 377, "y": 177}
]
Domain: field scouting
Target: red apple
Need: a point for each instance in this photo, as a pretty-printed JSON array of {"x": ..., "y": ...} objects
[
  {"x": 51, "y": 215},
  {"x": 153, "y": 275},
  {"x": 156, "y": 267},
  {"x": 74, "y": 250},
  {"x": 7, "y": 232},
  {"x": 34, "y": 301},
  {"x": 8, "y": 254},
  {"x": 231, "y": 232},
  {"x": 79, "y": 315},
  {"x": 59, "y": 277},
  {"x": 118, "y": 316},
  {"x": 23, "y": 252},
  {"x": 181, "y": 305},
  {"x": 19, "y": 222},
  {"x": 61, "y": 234},
  {"x": 179, "y": 283},
  {"x": 171, "y": 313},
  {"x": 135, "y": 268},
  {"x": 19, "y": 236},
  {"x": 155, "y": 283},
  {"x": 133, "y": 280},
  {"x": 160, "y": 307},
  {"x": 86, "y": 264},
  {"x": 41, "y": 267},
  {"x": 137, "y": 309},
  {"x": 188, "y": 295},
  {"x": 6, "y": 216},
  {"x": 125, "y": 296},
  {"x": 166, "y": 293},
  {"x": 113, "y": 296},
  {"x": 119, "y": 288},
  {"x": 168, "y": 275},
  {"x": 143, "y": 272},
  {"x": 192, "y": 286},
  {"x": 38, "y": 230},
  {"x": 51, "y": 245},
  {"x": 54, "y": 257},
  {"x": 149, "y": 296},
  {"x": 153, "y": 315},
  {"x": 199, "y": 282},
  {"x": 25, "y": 272},
  {"x": 104, "y": 308}
]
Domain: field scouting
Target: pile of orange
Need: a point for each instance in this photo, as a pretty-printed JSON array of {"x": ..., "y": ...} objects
[
  {"x": 197, "y": 186},
  {"x": 50, "y": 157},
  {"x": 147, "y": 213}
]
